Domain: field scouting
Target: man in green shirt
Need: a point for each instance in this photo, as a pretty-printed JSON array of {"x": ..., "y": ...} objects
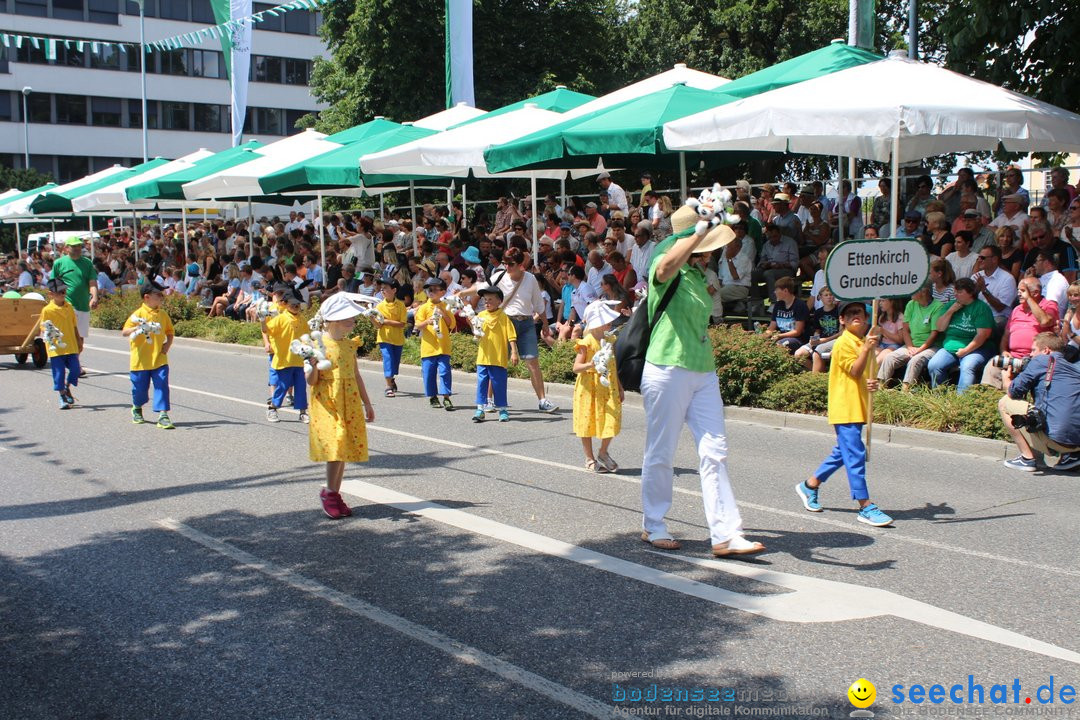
[
  {"x": 921, "y": 339},
  {"x": 77, "y": 272},
  {"x": 967, "y": 325},
  {"x": 679, "y": 385}
]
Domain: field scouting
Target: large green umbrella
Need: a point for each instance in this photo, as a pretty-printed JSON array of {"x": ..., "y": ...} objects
[
  {"x": 341, "y": 168},
  {"x": 170, "y": 187},
  {"x": 631, "y": 133},
  {"x": 363, "y": 131},
  {"x": 10, "y": 207},
  {"x": 59, "y": 199},
  {"x": 558, "y": 100}
]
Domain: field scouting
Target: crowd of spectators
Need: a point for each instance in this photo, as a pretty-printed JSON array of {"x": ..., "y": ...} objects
[{"x": 1001, "y": 266}]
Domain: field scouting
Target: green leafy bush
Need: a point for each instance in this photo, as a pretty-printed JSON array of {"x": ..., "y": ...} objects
[
  {"x": 979, "y": 413},
  {"x": 748, "y": 364},
  {"x": 943, "y": 410},
  {"x": 368, "y": 334},
  {"x": 463, "y": 352},
  {"x": 114, "y": 310},
  {"x": 803, "y": 393},
  {"x": 180, "y": 308},
  {"x": 222, "y": 330},
  {"x": 557, "y": 363}
]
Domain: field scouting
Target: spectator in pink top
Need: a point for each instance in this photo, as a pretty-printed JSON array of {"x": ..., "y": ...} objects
[{"x": 1032, "y": 315}]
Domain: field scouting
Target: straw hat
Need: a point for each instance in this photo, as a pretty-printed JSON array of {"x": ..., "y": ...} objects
[
  {"x": 683, "y": 219},
  {"x": 718, "y": 237}
]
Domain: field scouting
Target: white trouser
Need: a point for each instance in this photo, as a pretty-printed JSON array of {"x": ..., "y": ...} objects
[
  {"x": 82, "y": 323},
  {"x": 674, "y": 396}
]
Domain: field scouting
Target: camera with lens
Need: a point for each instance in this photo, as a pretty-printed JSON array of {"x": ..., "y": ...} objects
[
  {"x": 1034, "y": 420},
  {"x": 1015, "y": 365}
]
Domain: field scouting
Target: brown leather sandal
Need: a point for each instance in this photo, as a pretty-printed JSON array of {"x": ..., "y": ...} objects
[{"x": 667, "y": 543}]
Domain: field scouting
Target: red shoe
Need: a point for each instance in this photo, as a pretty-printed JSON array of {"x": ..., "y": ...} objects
[
  {"x": 346, "y": 511},
  {"x": 330, "y": 504}
]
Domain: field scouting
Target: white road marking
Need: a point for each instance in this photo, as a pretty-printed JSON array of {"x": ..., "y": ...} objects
[
  {"x": 800, "y": 516},
  {"x": 461, "y": 652},
  {"x": 813, "y": 601}
]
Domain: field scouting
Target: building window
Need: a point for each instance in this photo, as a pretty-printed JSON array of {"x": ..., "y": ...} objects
[
  {"x": 108, "y": 57},
  {"x": 174, "y": 62},
  {"x": 203, "y": 12},
  {"x": 98, "y": 164},
  {"x": 297, "y": 71},
  {"x": 298, "y": 21},
  {"x": 39, "y": 106},
  {"x": 206, "y": 63},
  {"x": 293, "y": 116},
  {"x": 149, "y": 8},
  {"x": 173, "y": 9},
  {"x": 70, "y": 56},
  {"x": 105, "y": 112},
  {"x": 71, "y": 109},
  {"x": 104, "y": 11},
  {"x": 36, "y": 8},
  {"x": 5, "y": 107},
  {"x": 174, "y": 116},
  {"x": 44, "y": 164},
  {"x": 212, "y": 118},
  {"x": 72, "y": 167},
  {"x": 269, "y": 121},
  {"x": 266, "y": 69},
  {"x": 135, "y": 114},
  {"x": 30, "y": 54},
  {"x": 270, "y": 22},
  {"x": 68, "y": 9}
]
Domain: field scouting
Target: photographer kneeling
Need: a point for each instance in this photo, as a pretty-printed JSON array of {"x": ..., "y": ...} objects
[{"x": 1050, "y": 424}]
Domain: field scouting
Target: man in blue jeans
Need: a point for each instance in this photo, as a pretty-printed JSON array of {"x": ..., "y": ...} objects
[{"x": 967, "y": 325}]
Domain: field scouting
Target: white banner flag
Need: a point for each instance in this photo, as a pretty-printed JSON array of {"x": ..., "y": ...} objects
[{"x": 459, "y": 53}]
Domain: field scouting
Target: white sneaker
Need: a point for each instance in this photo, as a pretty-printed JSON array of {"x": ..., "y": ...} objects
[
  {"x": 272, "y": 415},
  {"x": 304, "y": 418},
  {"x": 547, "y": 406},
  {"x": 490, "y": 408}
]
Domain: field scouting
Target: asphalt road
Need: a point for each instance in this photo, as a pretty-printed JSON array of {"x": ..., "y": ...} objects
[{"x": 191, "y": 573}]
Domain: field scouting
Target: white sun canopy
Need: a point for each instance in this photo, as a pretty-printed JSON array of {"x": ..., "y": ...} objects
[
  {"x": 460, "y": 151},
  {"x": 242, "y": 181},
  {"x": 114, "y": 197},
  {"x": 462, "y": 112},
  {"x": 861, "y": 111},
  {"x": 679, "y": 74}
]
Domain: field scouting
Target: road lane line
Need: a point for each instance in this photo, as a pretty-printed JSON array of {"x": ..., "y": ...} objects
[
  {"x": 813, "y": 600},
  {"x": 800, "y": 516},
  {"x": 461, "y": 652}
]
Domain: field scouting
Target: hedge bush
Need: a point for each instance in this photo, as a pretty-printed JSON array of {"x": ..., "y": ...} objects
[
  {"x": 943, "y": 410},
  {"x": 803, "y": 393},
  {"x": 748, "y": 364},
  {"x": 114, "y": 310}
]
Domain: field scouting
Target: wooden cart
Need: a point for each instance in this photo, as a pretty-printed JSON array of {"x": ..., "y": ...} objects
[{"x": 19, "y": 330}]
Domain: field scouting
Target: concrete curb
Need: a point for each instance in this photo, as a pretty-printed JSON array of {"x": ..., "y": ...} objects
[{"x": 882, "y": 434}]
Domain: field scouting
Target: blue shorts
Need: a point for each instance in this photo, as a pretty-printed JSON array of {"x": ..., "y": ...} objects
[
  {"x": 391, "y": 359},
  {"x": 527, "y": 344}
]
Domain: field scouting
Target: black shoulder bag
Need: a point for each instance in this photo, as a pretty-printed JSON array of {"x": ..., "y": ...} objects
[{"x": 633, "y": 342}]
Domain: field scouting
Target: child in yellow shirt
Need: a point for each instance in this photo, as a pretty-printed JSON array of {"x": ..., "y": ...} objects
[
  {"x": 597, "y": 408},
  {"x": 432, "y": 322},
  {"x": 850, "y": 385},
  {"x": 63, "y": 351},
  {"x": 491, "y": 360},
  {"x": 151, "y": 333},
  {"x": 287, "y": 368},
  {"x": 391, "y": 333}
]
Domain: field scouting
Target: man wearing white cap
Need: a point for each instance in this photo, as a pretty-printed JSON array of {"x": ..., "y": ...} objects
[
  {"x": 616, "y": 195},
  {"x": 678, "y": 385}
]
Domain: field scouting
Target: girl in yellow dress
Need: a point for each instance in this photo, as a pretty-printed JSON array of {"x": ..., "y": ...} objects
[
  {"x": 597, "y": 408},
  {"x": 340, "y": 407}
]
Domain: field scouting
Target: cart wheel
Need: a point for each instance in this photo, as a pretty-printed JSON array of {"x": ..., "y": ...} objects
[
  {"x": 40, "y": 355},
  {"x": 21, "y": 358}
]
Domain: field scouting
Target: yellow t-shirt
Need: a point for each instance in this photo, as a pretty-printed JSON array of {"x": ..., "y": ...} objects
[
  {"x": 498, "y": 333},
  {"x": 392, "y": 311},
  {"x": 63, "y": 317},
  {"x": 146, "y": 351},
  {"x": 430, "y": 343},
  {"x": 847, "y": 395},
  {"x": 281, "y": 330}
]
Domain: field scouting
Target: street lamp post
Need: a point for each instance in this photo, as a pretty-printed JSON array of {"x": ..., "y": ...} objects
[
  {"x": 26, "y": 126},
  {"x": 142, "y": 76}
]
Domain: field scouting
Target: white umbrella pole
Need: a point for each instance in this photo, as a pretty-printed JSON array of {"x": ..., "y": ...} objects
[
  {"x": 322, "y": 235},
  {"x": 412, "y": 203},
  {"x": 184, "y": 236},
  {"x": 562, "y": 193},
  {"x": 251, "y": 216},
  {"x": 450, "y": 200},
  {"x": 682, "y": 178},
  {"x": 90, "y": 224},
  {"x": 382, "y": 207},
  {"x": 535, "y": 238},
  {"x": 464, "y": 207},
  {"x": 18, "y": 243},
  {"x": 839, "y": 199},
  {"x": 894, "y": 188}
]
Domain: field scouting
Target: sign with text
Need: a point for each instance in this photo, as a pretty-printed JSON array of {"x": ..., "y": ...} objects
[{"x": 871, "y": 269}]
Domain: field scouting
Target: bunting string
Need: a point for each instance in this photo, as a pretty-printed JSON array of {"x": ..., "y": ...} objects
[{"x": 188, "y": 39}]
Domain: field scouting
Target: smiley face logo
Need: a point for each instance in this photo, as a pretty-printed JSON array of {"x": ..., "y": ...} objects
[{"x": 862, "y": 693}]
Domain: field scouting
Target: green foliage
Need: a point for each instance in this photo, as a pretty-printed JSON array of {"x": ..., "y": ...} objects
[
  {"x": 220, "y": 329},
  {"x": 557, "y": 363},
  {"x": 366, "y": 331},
  {"x": 463, "y": 352},
  {"x": 979, "y": 413},
  {"x": 180, "y": 308},
  {"x": 806, "y": 393},
  {"x": 748, "y": 364},
  {"x": 21, "y": 179},
  {"x": 943, "y": 410},
  {"x": 114, "y": 310}
]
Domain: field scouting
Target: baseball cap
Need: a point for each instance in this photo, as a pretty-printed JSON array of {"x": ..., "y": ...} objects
[
  {"x": 565, "y": 226},
  {"x": 781, "y": 197},
  {"x": 491, "y": 291},
  {"x": 390, "y": 282},
  {"x": 971, "y": 213},
  {"x": 57, "y": 285},
  {"x": 603, "y": 176},
  {"x": 435, "y": 282},
  {"x": 73, "y": 241},
  {"x": 913, "y": 215},
  {"x": 590, "y": 205}
]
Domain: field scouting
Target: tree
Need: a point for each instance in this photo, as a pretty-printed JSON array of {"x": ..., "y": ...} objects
[
  {"x": 387, "y": 58},
  {"x": 27, "y": 179}
]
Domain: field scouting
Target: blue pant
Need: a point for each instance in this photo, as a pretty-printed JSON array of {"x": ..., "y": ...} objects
[
  {"x": 140, "y": 388},
  {"x": 59, "y": 364},
  {"x": 970, "y": 366},
  {"x": 290, "y": 377},
  {"x": 497, "y": 376},
  {"x": 391, "y": 359},
  {"x": 429, "y": 367},
  {"x": 849, "y": 453},
  {"x": 272, "y": 376}
]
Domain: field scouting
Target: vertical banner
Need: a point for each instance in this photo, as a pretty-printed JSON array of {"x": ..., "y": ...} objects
[
  {"x": 861, "y": 23},
  {"x": 459, "y": 53},
  {"x": 236, "y": 46}
]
